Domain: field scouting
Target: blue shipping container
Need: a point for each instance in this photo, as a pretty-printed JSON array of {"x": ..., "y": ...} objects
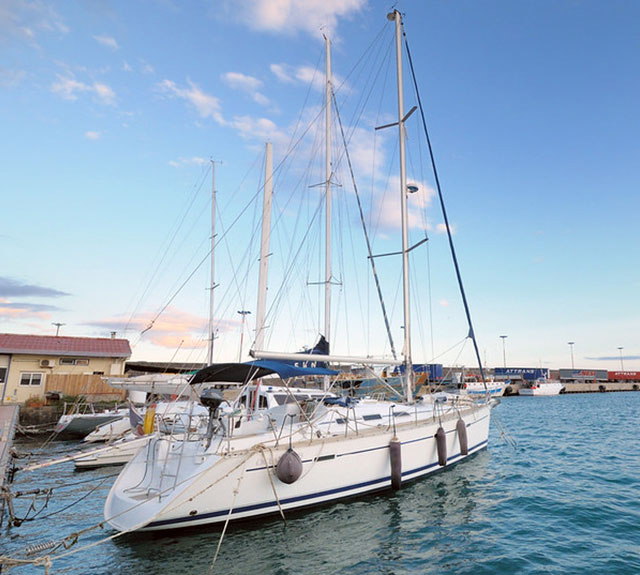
[{"x": 528, "y": 373}]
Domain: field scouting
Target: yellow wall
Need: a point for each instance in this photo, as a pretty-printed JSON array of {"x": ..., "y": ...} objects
[{"x": 20, "y": 364}]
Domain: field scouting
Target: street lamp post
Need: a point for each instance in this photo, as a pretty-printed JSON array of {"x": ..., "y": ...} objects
[
  {"x": 571, "y": 348},
  {"x": 621, "y": 362},
  {"x": 504, "y": 353},
  {"x": 58, "y": 326},
  {"x": 244, "y": 313}
]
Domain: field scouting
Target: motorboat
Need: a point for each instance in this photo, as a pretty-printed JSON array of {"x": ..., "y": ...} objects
[
  {"x": 475, "y": 387},
  {"x": 542, "y": 386}
]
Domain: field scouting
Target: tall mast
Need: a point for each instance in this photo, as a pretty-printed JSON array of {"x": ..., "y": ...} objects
[
  {"x": 327, "y": 257},
  {"x": 213, "y": 261},
  {"x": 261, "y": 306},
  {"x": 395, "y": 16}
]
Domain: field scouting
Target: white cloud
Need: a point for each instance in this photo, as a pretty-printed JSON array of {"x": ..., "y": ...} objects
[
  {"x": 194, "y": 161},
  {"x": 442, "y": 228},
  {"x": 246, "y": 84},
  {"x": 386, "y": 207},
  {"x": 304, "y": 75},
  {"x": 298, "y": 75},
  {"x": 90, "y": 135},
  {"x": 107, "y": 42},
  {"x": 309, "y": 75},
  {"x": 261, "y": 99},
  {"x": 366, "y": 156},
  {"x": 126, "y": 67},
  {"x": 68, "y": 88},
  {"x": 147, "y": 68},
  {"x": 207, "y": 106},
  {"x": 25, "y": 20},
  {"x": 258, "y": 128},
  {"x": 104, "y": 93},
  {"x": 11, "y": 78},
  {"x": 292, "y": 16},
  {"x": 241, "y": 81},
  {"x": 280, "y": 72}
]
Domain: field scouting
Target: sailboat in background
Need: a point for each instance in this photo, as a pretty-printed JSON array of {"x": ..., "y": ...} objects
[{"x": 280, "y": 447}]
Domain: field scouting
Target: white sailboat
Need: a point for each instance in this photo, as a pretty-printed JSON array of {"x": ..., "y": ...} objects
[{"x": 280, "y": 448}]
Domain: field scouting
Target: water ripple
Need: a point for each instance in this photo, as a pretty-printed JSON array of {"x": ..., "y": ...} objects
[{"x": 564, "y": 501}]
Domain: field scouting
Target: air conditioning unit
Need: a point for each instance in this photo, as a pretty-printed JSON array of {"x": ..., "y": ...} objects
[{"x": 47, "y": 362}]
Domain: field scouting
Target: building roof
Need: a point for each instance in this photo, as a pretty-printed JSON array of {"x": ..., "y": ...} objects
[{"x": 61, "y": 345}]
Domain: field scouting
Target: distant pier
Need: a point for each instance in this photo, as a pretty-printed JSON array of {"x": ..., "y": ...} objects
[{"x": 584, "y": 387}]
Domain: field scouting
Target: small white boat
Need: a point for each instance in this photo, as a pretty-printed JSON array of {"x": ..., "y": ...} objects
[
  {"x": 177, "y": 417},
  {"x": 110, "y": 431},
  {"x": 542, "y": 386},
  {"x": 171, "y": 417},
  {"x": 476, "y": 388},
  {"x": 117, "y": 453},
  {"x": 83, "y": 419}
]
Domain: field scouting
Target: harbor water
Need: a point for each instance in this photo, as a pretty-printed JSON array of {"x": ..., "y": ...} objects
[{"x": 557, "y": 492}]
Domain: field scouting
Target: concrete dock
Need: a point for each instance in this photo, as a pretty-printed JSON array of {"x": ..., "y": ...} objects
[
  {"x": 8, "y": 423},
  {"x": 584, "y": 387}
]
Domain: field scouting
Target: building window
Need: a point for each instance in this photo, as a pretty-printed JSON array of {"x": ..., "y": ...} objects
[
  {"x": 31, "y": 379},
  {"x": 73, "y": 361},
  {"x": 3, "y": 374}
]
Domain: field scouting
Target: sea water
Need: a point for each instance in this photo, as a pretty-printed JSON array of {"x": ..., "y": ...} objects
[{"x": 556, "y": 492}]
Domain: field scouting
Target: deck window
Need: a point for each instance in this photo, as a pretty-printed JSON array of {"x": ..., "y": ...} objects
[
  {"x": 372, "y": 416},
  {"x": 31, "y": 379}
]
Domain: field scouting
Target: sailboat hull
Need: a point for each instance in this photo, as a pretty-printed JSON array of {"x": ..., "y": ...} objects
[{"x": 244, "y": 484}]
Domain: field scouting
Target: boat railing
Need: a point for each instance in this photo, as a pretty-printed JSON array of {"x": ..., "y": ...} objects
[
  {"x": 86, "y": 408},
  {"x": 77, "y": 408}
]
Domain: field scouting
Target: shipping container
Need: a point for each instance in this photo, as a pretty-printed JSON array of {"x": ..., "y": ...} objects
[
  {"x": 624, "y": 376},
  {"x": 527, "y": 373},
  {"x": 433, "y": 369},
  {"x": 584, "y": 375}
]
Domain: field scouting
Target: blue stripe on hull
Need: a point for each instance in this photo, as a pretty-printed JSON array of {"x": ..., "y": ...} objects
[{"x": 272, "y": 507}]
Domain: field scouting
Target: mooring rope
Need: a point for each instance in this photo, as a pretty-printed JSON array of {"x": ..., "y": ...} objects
[{"x": 226, "y": 523}]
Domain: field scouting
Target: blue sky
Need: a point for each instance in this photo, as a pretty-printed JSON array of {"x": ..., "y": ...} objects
[{"x": 110, "y": 112}]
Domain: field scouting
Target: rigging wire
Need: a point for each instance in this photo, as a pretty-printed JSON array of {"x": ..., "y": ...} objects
[
  {"x": 366, "y": 235},
  {"x": 169, "y": 242},
  {"x": 444, "y": 212}
]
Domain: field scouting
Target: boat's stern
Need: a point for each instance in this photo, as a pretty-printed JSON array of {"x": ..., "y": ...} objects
[{"x": 149, "y": 482}]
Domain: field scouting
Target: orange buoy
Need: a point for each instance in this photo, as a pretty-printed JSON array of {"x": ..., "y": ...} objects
[
  {"x": 441, "y": 446},
  {"x": 395, "y": 457},
  {"x": 461, "y": 428}
]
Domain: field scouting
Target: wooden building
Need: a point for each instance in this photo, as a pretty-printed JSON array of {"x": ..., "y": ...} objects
[{"x": 32, "y": 365}]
